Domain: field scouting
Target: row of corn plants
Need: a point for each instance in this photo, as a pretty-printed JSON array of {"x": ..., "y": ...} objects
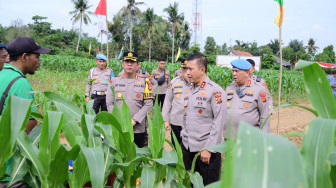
[{"x": 75, "y": 67}]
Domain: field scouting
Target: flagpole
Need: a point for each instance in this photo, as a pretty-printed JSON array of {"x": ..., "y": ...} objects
[
  {"x": 107, "y": 46},
  {"x": 280, "y": 79}
]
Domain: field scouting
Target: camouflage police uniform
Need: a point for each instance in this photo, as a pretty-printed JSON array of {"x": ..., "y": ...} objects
[
  {"x": 248, "y": 103},
  {"x": 138, "y": 95},
  {"x": 173, "y": 108},
  {"x": 157, "y": 73},
  {"x": 203, "y": 127},
  {"x": 98, "y": 86},
  {"x": 258, "y": 79}
]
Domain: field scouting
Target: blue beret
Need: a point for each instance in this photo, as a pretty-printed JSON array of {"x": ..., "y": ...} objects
[
  {"x": 101, "y": 57},
  {"x": 241, "y": 64},
  {"x": 3, "y": 45}
]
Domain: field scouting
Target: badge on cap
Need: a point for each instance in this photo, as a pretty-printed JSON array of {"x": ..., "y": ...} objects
[{"x": 130, "y": 54}]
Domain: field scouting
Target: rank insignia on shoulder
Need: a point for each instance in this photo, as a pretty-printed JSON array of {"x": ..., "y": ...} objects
[
  {"x": 203, "y": 84},
  {"x": 263, "y": 97},
  {"x": 249, "y": 83}
]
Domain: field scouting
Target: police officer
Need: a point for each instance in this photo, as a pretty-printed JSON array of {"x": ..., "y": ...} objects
[
  {"x": 262, "y": 82},
  {"x": 137, "y": 93},
  {"x": 246, "y": 100},
  {"x": 203, "y": 120},
  {"x": 144, "y": 74},
  {"x": 96, "y": 82},
  {"x": 179, "y": 71},
  {"x": 162, "y": 76},
  {"x": 173, "y": 109}
]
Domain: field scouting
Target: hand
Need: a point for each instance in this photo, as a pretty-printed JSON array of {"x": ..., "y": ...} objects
[
  {"x": 205, "y": 156},
  {"x": 133, "y": 122},
  {"x": 87, "y": 99},
  {"x": 167, "y": 125}
]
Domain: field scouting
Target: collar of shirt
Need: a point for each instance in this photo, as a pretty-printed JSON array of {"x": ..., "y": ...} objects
[
  {"x": 196, "y": 88},
  {"x": 9, "y": 66}
]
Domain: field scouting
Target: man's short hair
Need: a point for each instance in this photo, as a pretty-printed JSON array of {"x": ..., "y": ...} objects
[
  {"x": 201, "y": 60},
  {"x": 16, "y": 57},
  {"x": 161, "y": 59},
  {"x": 333, "y": 72},
  {"x": 251, "y": 61}
]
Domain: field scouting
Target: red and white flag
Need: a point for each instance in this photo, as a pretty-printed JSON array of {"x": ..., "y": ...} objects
[{"x": 101, "y": 12}]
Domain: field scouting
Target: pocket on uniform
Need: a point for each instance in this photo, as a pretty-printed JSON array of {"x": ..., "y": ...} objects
[
  {"x": 246, "y": 103},
  {"x": 138, "y": 94},
  {"x": 200, "y": 108}
]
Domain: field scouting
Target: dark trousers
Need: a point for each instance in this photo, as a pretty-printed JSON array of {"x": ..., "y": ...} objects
[
  {"x": 19, "y": 184},
  {"x": 161, "y": 98},
  {"x": 177, "y": 131},
  {"x": 209, "y": 172},
  {"x": 99, "y": 102},
  {"x": 140, "y": 139}
]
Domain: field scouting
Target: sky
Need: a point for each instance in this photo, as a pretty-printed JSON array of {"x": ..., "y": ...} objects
[{"x": 225, "y": 20}]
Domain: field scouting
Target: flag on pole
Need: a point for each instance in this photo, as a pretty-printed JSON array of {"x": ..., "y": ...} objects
[
  {"x": 279, "y": 18},
  {"x": 90, "y": 49},
  {"x": 101, "y": 12},
  {"x": 178, "y": 54},
  {"x": 121, "y": 52}
]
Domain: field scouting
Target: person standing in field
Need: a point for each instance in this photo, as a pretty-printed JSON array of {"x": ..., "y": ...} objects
[
  {"x": 179, "y": 71},
  {"x": 4, "y": 56},
  {"x": 137, "y": 93},
  {"x": 24, "y": 59},
  {"x": 203, "y": 120},
  {"x": 97, "y": 81},
  {"x": 332, "y": 81},
  {"x": 162, "y": 76},
  {"x": 259, "y": 79},
  {"x": 173, "y": 109},
  {"x": 246, "y": 101}
]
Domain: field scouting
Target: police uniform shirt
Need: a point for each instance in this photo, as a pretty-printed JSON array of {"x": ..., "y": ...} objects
[
  {"x": 99, "y": 84},
  {"x": 157, "y": 73},
  {"x": 139, "y": 101},
  {"x": 250, "y": 104},
  {"x": 143, "y": 74},
  {"x": 178, "y": 73},
  {"x": 173, "y": 109},
  {"x": 258, "y": 79},
  {"x": 205, "y": 115}
]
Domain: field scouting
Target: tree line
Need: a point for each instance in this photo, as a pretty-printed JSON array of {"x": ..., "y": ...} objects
[{"x": 152, "y": 36}]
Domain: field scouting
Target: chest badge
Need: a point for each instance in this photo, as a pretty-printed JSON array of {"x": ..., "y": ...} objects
[
  {"x": 200, "y": 111},
  {"x": 119, "y": 95},
  {"x": 246, "y": 105},
  {"x": 138, "y": 95},
  {"x": 178, "y": 95},
  {"x": 227, "y": 104}
]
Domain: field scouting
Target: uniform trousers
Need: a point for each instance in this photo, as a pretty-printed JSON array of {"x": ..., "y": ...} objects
[
  {"x": 177, "y": 131},
  {"x": 209, "y": 172},
  {"x": 161, "y": 98},
  {"x": 140, "y": 139},
  {"x": 19, "y": 184},
  {"x": 99, "y": 103}
]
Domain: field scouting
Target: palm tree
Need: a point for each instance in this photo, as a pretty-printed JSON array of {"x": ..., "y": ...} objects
[
  {"x": 81, "y": 13},
  {"x": 311, "y": 46},
  {"x": 186, "y": 35},
  {"x": 131, "y": 10},
  {"x": 150, "y": 25},
  {"x": 275, "y": 46},
  {"x": 176, "y": 21}
]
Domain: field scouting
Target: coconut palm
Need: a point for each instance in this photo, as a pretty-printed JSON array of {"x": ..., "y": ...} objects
[
  {"x": 176, "y": 21},
  {"x": 186, "y": 35},
  {"x": 151, "y": 25},
  {"x": 131, "y": 10},
  {"x": 311, "y": 46},
  {"x": 81, "y": 13}
]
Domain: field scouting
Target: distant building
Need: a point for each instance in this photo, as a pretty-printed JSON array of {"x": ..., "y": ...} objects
[
  {"x": 239, "y": 53},
  {"x": 284, "y": 63}
]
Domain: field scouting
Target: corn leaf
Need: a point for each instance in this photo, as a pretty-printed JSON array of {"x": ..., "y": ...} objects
[
  {"x": 318, "y": 89},
  {"x": 95, "y": 159},
  {"x": 263, "y": 160},
  {"x": 148, "y": 176},
  {"x": 317, "y": 146}
]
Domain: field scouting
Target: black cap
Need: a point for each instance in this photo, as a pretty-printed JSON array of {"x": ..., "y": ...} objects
[
  {"x": 130, "y": 56},
  {"x": 22, "y": 45},
  {"x": 251, "y": 61}
]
